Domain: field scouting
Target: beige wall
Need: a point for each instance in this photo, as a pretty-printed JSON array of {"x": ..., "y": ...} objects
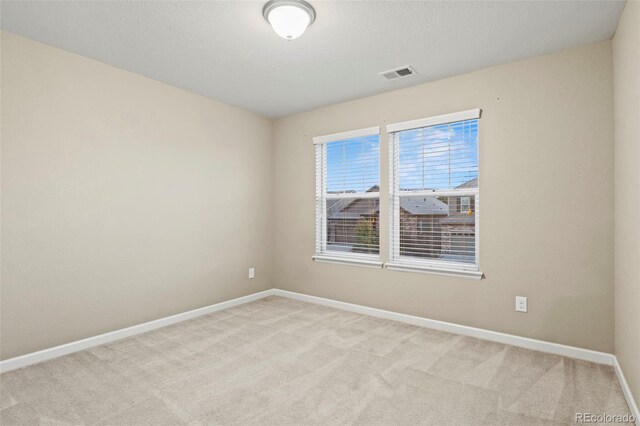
[
  {"x": 126, "y": 200},
  {"x": 123, "y": 199},
  {"x": 546, "y": 177},
  {"x": 626, "y": 83}
]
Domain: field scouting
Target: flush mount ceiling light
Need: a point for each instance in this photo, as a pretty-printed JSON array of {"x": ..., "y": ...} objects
[{"x": 289, "y": 18}]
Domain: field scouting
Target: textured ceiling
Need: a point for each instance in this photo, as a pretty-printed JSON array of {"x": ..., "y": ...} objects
[{"x": 225, "y": 50}]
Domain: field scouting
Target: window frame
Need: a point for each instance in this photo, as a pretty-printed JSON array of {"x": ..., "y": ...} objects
[
  {"x": 409, "y": 263},
  {"x": 465, "y": 200},
  {"x": 321, "y": 196}
]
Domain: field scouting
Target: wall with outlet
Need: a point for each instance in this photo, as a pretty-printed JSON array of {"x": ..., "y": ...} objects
[
  {"x": 191, "y": 219},
  {"x": 521, "y": 304},
  {"x": 124, "y": 200},
  {"x": 537, "y": 237}
]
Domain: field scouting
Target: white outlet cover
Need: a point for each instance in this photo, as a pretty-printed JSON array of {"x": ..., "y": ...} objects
[
  {"x": 252, "y": 273},
  {"x": 521, "y": 304}
]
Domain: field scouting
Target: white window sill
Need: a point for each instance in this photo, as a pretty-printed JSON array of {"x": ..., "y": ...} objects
[
  {"x": 475, "y": 275},
  {"x": 344, "y": 260}
]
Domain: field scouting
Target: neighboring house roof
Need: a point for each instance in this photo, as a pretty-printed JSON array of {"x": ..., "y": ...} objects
[
  {"x": 462, "y": 218},
  {"x": 351, "y": 208},
  {"x": 348, "y": 208},
  {"x": 473, "y": 183},
  {"x": 421, "y": 205},
  {"x": 335, "y": 207}
]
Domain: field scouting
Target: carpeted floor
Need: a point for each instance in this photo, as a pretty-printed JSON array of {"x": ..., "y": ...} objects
[{"x": 280, "y": 361}]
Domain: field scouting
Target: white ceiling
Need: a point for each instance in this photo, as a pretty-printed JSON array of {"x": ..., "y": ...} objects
[{"x": 225, "y": 50}]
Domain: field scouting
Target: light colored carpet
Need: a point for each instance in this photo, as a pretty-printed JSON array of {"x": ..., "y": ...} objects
[{"x": 280, "y": 361}]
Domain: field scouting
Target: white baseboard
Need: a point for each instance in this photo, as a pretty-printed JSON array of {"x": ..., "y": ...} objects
[
  {"x": 633, "y": 407},
  {"x": 523, "y": 342},
  {"x": 79, "y": 345},
  {"x": 494, "y": 336}
]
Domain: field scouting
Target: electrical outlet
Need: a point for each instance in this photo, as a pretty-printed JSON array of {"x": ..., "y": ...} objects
[
  {"x": 521, "y": 304},
  {"x": 252, "y": 273}
]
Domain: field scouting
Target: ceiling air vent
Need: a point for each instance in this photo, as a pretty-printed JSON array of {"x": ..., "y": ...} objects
[{"x": 398, "y": 73}]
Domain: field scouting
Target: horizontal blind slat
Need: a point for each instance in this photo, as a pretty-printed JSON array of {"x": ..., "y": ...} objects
[
  {"x": 434, "y": 227},
  {"x": 351, "y": 171}
]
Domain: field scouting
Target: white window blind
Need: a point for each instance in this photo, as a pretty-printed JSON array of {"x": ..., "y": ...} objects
[
  {"x": 348, "y": 195},
  {"x": 435, "y": 192}
]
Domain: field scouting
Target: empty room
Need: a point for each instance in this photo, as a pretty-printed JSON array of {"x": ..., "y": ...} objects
[{"x": 316, "y": 212}]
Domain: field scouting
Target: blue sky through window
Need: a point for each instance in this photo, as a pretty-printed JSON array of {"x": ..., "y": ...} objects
[
  {"x": 438, "y": 157},
  {"x": 353, "y": 165}
]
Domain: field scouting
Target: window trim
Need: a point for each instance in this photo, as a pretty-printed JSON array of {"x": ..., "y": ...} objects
[
  {"x": 407, "y": 263},
  {"x": 358, "y": 259},
  {"x": 407, "y": 267},
  {"x": 321, "y": 253},
  {"x": 469, "y": 114},
  {"x": 350, "y": 134}
]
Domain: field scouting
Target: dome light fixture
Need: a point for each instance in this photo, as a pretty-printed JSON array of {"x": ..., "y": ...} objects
[{"x": 289, "y": 18}]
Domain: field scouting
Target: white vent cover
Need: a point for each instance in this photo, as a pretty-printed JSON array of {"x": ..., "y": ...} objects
[{"x": 405, "y": 71}]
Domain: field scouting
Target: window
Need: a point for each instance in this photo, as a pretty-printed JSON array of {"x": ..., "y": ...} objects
[
  {"x": 465, "y": 204},
  {"x": 348, "y": 197},
  {"x": 435, "y": 194}
]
